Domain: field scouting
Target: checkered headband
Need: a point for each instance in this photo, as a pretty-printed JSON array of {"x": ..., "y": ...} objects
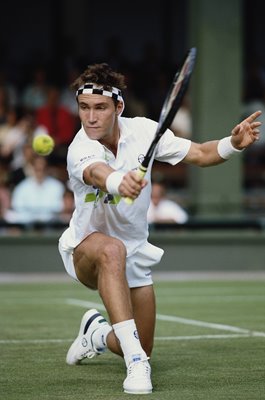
[{"x": 91, "y": 88}]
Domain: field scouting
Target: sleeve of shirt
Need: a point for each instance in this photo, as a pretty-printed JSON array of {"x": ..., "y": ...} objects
[
  {"x": 172, "y": 149},
  {"x": 83, "y": 155}
]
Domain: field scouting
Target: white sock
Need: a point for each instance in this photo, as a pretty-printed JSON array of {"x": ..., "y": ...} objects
[
  {"x": 127, "y": 334},
  {"x": 99, "y": 337}
]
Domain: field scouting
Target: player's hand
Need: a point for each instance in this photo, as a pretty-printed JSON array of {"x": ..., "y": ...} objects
[
  {"x": 132, "y": 185},
  {"x": 247, "y": 132}
]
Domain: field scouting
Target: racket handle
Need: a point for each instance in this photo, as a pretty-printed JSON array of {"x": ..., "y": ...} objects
[{"x": 141, "y": 171}]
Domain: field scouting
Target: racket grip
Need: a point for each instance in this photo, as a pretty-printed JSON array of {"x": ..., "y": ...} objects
[{"x": 141, "y": 171}]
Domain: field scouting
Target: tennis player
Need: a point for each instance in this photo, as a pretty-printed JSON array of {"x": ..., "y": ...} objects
[{"x": 106, "y": 246}]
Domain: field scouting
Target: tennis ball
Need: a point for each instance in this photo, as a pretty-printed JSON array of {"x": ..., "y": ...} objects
[{"x": 43, "y": 144}]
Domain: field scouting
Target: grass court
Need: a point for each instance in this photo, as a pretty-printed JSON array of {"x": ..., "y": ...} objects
[{"x": 210, "y": 343}]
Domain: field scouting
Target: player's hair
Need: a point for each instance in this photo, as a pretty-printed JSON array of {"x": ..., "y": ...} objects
[{"x": 100, "y": 74}]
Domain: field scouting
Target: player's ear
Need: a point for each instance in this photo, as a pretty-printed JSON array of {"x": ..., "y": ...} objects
[{"x": 119, "y": 107}]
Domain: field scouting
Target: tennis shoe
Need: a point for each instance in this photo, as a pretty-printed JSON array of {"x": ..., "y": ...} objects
[
  {"x": 138, "y": 380},
  {"x": 83, "y": 346}
]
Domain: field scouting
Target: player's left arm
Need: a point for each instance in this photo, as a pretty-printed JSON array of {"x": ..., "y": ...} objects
[{"x": 217, "y": 151}]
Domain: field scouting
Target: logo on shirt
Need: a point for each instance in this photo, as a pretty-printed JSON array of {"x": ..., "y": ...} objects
[
  {"x": 98, "y": 194},
  {"x": 87, "y": 158}
]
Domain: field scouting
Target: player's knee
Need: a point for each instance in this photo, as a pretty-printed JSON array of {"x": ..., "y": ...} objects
[{"x": 113, "y": 254}]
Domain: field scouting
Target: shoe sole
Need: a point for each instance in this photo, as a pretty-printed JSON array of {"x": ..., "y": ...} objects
[{"x": 138, "y": 391}]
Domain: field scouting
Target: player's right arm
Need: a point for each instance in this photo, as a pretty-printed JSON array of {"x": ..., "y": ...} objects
[
  {"x": 100, "y": 175},
  {"x": 242, "y": 136}
]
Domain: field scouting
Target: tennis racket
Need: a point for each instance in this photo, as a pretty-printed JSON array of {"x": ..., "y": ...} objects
[{"x": 170, "y": 107}]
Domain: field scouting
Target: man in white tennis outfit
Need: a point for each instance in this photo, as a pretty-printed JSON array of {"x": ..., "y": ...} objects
[{"x": 106, "y": 245}]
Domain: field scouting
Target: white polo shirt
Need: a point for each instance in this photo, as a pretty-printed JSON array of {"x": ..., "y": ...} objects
[{"x": 97, "y": 211}]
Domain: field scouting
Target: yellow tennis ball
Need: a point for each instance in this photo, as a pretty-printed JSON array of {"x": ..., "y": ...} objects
[{"x": 43, "y": 144}]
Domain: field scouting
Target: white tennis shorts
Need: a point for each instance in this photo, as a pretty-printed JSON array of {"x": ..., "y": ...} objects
[{"x": 138, "y": 265}]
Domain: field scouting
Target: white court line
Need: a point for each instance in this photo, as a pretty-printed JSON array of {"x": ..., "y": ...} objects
[
  {"x": 34, "y": 341},
  {"x": 86, "y": 304},
  {"x": 203, "y": 337},
  {"x": 170, "y": 318},
  {"x": 203, "y": 324},
  {"x": 161, "y": 338}
]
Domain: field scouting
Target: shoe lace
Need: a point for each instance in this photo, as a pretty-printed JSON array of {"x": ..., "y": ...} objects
[
  {"x": 91, "y": 354},
  {"x": 88, "y": 354},
  {"x": 140, "y": 367}
]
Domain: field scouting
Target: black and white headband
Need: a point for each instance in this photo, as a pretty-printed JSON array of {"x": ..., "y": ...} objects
[{"x": 91, "y": 88}]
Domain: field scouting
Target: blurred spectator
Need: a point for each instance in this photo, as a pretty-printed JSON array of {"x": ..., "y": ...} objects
[
  {"x": 182, "y": 123},
  {"x": 55, "y": 118},
  {"x": 133, "y": 103},
  {"x": 10, "y": 122},
  {"x": 34, "y": 94},
  {"x": 38, "y": 198},
  {"x": 10, "y": 89},
  {"x": 133, "y": 106},
  {"x": 163, "y": 210},
  {"x": 25, "y": 169},
  {"x": 59, "y": 122},
  {"x": 5, "y": 198},
  {"x": 12, "y": 146},
  {"x": 4, "y": 105},
  {"x": 68, "y": 97},
  {"x": 68, "y": 206}
]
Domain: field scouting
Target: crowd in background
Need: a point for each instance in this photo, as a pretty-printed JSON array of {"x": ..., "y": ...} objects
[
  {"x": 34, "y": 188},
  {"x": 44, "y": 103}
]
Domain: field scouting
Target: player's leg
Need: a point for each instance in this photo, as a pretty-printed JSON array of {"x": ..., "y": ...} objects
[
  {"x": 144, "y": 311},
  {"x": 138, "y": 378},
  {"x": 144, "y": 314},
  {"x": 97, "y": 260},
  {"x": 100, "y": 264}
]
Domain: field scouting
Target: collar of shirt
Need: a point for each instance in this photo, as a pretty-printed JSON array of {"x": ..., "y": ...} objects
[{"x": 124, "y": 131}]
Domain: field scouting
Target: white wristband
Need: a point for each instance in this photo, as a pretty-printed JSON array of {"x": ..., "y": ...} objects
[
  {"x": 226, "y": 149},
  {"x": 113, "y": 182}
]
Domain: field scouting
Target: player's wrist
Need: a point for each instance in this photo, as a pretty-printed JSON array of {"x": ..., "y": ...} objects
[
  {"x": 113, "y": 182},
  {"x": 226, "y": 149}
]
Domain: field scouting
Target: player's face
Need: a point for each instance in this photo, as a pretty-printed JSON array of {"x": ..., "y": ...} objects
[{"x": 98, "y": 116}]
